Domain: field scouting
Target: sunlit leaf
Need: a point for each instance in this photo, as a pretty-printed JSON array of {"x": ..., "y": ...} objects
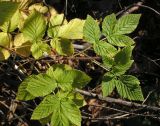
[
  {"x": 5, "y": 39},
  {"x": 72, "y": 30},
  {"x": 4, "y": 54},
  {"x": 129, "y": 87},
  {"x": 91, "y": 30},
  {"x": 120, "y": 40},
  {"x": 103, "y": 48},
  {"x": 39, "y": 49},
  {"x": 23, "y": 94},
  {"x": 69, "y": 78},
  {"x": 59, "y": 109},
  {"x": 34, "y": 27},
  {"x": 127, "y": 24},
  {"x": 40, "y": 85},
  {"x": 54, "y": 25},
  {"x": 108, "y": 24}
]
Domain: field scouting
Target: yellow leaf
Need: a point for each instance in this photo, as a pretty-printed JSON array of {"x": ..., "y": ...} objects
[{"x": 72, "y": 30}]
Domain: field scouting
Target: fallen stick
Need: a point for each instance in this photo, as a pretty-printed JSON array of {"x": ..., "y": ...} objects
[{"x": 117, "y": 101}]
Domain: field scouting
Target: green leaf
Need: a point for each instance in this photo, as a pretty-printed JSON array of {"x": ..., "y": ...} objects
[
  {"x": 120, "y": 40},
  {"x": 127, "y": 24},
  {"x": 7, "y": 9},
  {"x": 23, "y": 94},
  {"x": 91, "y": 30},
  {"x": 40, "y": 85},
  {"x": 12, "y": 24},
  {"x": 120, "y": 69},
  {"x": 122, "y": 61},
  {"x": 34, "y": 27},
  {"x": 129, "y": 87},
  {"x": 107, "y": 61},
  {"x": 77, "y": 98},
  {"x": 74, "y": 116},
  {"x": 69, "y": 78},
  {"x": 62, "y": 46},
  {"x": 104, "y": 49},
  {"x": 123, "y": 56},
  {"x": 56, "y": 69},
  {"x": 45, "y": 120},
  {"x": 39, "y": 49},
  {"x": 49, "y": 104},
  {"x": 108, "y": 24},
  {"x": 64, "y": 111},
  {"x": 108, "y": 84},
  {"x": 72, "y": 30}
]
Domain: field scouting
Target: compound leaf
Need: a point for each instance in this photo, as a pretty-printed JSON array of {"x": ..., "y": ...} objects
[{"x": 64, "y": 112}]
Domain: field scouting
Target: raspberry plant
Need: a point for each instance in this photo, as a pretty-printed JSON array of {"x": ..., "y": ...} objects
[{"x": 38, "y": 34}]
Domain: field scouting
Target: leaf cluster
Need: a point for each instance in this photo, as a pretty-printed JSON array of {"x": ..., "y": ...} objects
[{"x": 38, "y": 34}]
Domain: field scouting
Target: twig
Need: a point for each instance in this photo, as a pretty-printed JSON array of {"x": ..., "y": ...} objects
[
  {"x": 123, "y": 111},
  {"x": 14, "y": 114},
  {"x": 117, "y": 101},
  {"x": 134, "y": 7},
  {"x": 150, "y": 8},
  {"x": 97, "y": 63},
  {"x": 148, "y": 96},
  {"x": 12, "y": 51}
]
